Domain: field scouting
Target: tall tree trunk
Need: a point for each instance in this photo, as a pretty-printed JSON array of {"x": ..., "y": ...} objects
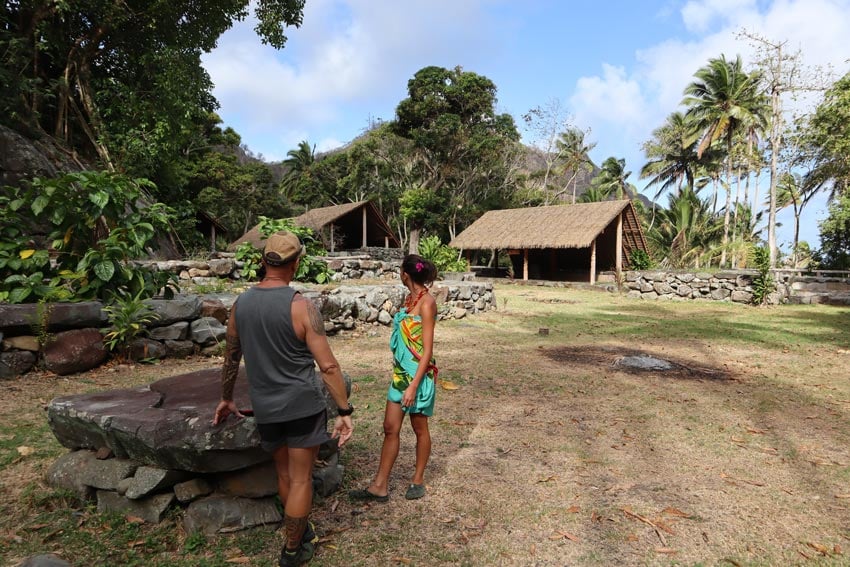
[
  {"x": 728, "y": 186},
  {"x": 414, "y": 241}
]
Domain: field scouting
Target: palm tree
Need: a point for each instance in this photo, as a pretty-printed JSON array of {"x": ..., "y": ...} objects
[
  {"x": 299, "y": 161},
  {"x": 672, "y": 155},
  {"x": 612, "y": 177},
  {"x": 574, "y": 151},
  {"x": 594, "y": 194},
  {"x": 687, "y": 231},
  {"x": 722, "y": 101},
  {"x": 795, "y": 191}
]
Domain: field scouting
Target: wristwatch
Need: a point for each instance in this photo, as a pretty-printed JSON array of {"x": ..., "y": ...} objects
[{"x": 347, "y": 411}]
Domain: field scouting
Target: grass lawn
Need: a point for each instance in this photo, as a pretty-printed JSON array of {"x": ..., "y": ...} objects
[{"x": 547, "y": 453}]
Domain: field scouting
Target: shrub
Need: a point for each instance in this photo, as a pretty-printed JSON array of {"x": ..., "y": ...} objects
[
  {"x": 95, "y": 223},
  {"x": 763, "y": 284},
  {"x": 310, "y": 269},
  {"x": 443, "y": 256},
  {"x": 639, "y": 260},
  {"x": 128, "y": 316}
]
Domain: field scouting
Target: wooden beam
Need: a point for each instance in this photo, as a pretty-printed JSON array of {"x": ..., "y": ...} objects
[
  {"x": 593, "y": 262},
  {"x": 364, "y": 228},
  {"x": 525, "y": 265},
  {"x": 619, "y": 246}
]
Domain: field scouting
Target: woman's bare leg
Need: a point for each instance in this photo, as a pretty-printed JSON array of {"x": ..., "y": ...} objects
[
  {"x": 393, "y": 417},
  {"x": 419, "y": 423}
]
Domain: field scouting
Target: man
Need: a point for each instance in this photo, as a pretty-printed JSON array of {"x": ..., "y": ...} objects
[{"x": 282, "y": 335}]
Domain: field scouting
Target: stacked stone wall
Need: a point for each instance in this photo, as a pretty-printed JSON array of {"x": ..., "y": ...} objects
[{"x": 195, "y": 324}]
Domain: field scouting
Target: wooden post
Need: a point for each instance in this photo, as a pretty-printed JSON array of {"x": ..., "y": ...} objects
[
  {"x": 619, "y": 246},
  {"x": 386, "y": 241},
  {"x": 332, "y": 237},
  {"x": 525, "y": 265},
  {"x": 364, "y": 228},
  {"x": 212, "y": 238},
  {"x": 593, "y": 262}
]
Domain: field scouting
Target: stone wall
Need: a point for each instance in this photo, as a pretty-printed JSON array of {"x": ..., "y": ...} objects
[
  {"x": 192, "y": 324},
  {"x": 736, "y": 286},
  {"x": 345, "y": 266}
]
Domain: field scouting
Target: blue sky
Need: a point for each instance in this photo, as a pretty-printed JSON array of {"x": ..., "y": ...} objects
[{"x": 616, "y": 68}]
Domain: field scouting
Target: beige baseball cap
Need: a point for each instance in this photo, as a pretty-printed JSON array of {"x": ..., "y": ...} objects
[{"x": 281, "y": 248}]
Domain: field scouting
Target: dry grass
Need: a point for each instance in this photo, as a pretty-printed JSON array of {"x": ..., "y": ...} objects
[{"x": 549, "y": 454}]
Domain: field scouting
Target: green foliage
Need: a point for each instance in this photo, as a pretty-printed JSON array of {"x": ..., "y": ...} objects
[
  {"x": 443, "y": 256},
  {"x": 128, "y": 316},
  {"x": 639, "y": 260},
  {"x": 120, "y": 80},
  {"x": 763, "y": 284},
  {"x": 95, "y": 222},
  {"x": 309, "y": 270},
  {"x": 827, "y": 137},
  {"x": 835, "y": 235}
]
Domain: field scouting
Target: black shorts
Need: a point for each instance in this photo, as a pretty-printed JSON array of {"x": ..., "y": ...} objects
[{"x": 302, "y": 433}]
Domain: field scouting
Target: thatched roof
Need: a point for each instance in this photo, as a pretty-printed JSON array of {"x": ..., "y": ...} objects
[
  {"x": 319, "y": 218},
  {"x": 558, "y": 226}
]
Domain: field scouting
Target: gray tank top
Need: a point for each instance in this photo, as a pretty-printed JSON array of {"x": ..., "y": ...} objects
[{"x": 282, "y": 378}]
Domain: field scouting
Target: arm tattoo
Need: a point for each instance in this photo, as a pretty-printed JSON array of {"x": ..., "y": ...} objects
[
  {"x": 316, "y": 321},
  {"x": 232, "y": 356}
]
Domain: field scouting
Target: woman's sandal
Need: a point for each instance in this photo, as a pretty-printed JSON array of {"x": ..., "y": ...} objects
[
  {"x": 415, "y": 491},
  {"x": 365, "y": 495}
]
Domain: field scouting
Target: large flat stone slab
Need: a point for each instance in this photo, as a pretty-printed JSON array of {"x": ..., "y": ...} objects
[{"x": 167, "y": 424}]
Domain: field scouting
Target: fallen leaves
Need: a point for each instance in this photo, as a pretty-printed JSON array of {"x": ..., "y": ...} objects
[
  {"x": 561, "y": 534},
  {"x": 25, "y": 451},
  {"x": 448, "y": 385}
]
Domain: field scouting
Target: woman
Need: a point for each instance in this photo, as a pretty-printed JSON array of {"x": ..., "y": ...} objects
[{"x": 413, "y": 386}]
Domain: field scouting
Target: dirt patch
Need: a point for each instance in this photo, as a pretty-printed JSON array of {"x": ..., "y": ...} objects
[{"x": 596, "y": 356}]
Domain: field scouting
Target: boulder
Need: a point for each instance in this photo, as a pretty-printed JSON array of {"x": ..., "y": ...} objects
[
  {"x": 15, "y": 363},
  {"x": 146, "y": 349},
  {"x": 224, "y": 514},
  {"x": 253, "y": 482},
  {"x": 60, "y": 315},
  {"x": 214, "y": 308},
  {"x": 207, "y": 331},
  {"x": 175, "y": 332},
  {"x": 74, "y": 351},
  {"x": 44, "y": 561},
  {"x": 179, "y": 349},
  {"x": 191, "y": 490},
  {"x": 23, "y": 342},
  {"x": 148, "y": 480},
  {"x": 181, "y": 308},
  {"x": 149, "y": 509},
  {"x": 65, "y": 473}
]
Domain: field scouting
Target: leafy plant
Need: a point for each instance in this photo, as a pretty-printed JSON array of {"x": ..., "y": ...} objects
[
  {"x": 639, "y": 260},
  {"x": 763, "y": 284},
  {"x": 309, "y": 270},
  {"x": 128, "y": 316},
  {"x": 96, "y": 222},
  {"x": 443, "y": 256}
]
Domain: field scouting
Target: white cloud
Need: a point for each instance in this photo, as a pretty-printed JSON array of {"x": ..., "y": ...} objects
[
  {"x": 613, "y": 97},
  {"x": 699, "y": 15},
  {"x": 347, "y": 51}
]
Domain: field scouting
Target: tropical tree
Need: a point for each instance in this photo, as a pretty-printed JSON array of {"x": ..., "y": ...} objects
[
  {"x": 612, "y": 178},
  {"x": 119, "y": 81},
  {"x": 723, "y": 100},
  {"x": 575, "y": 150},
  {"x": 672, "y": 156},
  {"x": 686, "y": 233},
  {"x": 458, "y": 140},
  {"x": 827, "y": 138},
  {"x": 792, "y": 191},
  {"x": 835, "y": 234},
  {"x": 298, "y": 161}
]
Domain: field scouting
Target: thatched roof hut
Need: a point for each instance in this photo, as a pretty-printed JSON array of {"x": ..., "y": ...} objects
[
  {"x": 561, "y": 242},
  {"x": 341, "y": 227}
]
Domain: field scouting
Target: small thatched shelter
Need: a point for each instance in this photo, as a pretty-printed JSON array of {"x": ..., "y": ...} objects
[
  {"x": 562, "y": 242},
  {"x": 341, "y": 227}
]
